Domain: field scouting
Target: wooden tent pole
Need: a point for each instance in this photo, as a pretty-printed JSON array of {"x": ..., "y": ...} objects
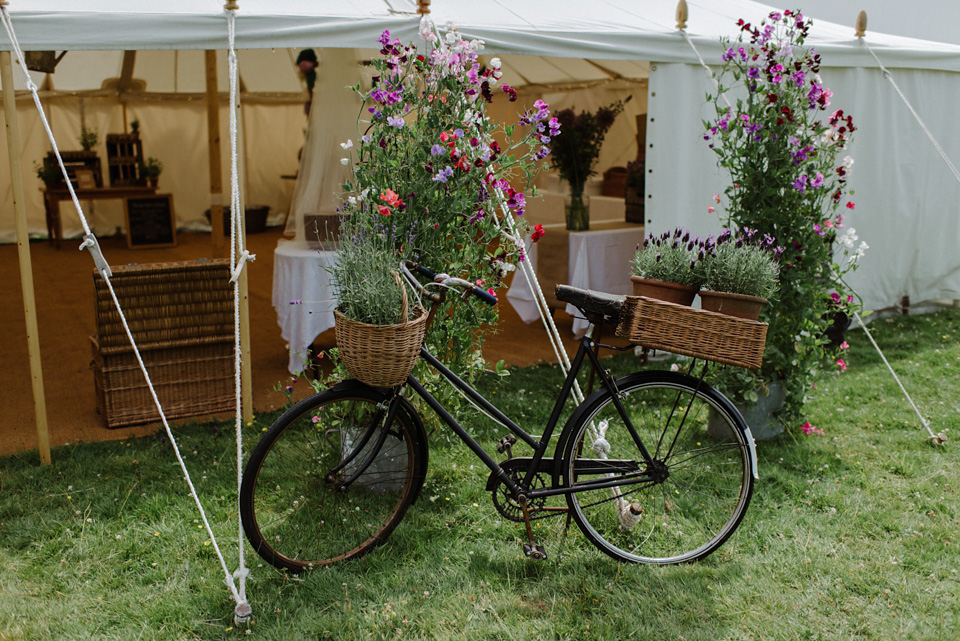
[
  {"x": 23, "y": 251},
  {"x": 213, "y": 143}
]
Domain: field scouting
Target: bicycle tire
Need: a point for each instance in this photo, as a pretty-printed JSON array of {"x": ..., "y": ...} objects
[
  {"x": 292, "y": 512},
  {"x": 696, "y": 492}
]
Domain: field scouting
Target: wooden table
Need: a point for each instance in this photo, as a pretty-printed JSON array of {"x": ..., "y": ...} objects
[{"x": 53, "y": 197}]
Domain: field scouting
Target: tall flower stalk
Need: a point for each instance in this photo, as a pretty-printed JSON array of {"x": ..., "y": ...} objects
[
  {"x": 785, "y": 151},
  {"x": 434, "y": 174}
]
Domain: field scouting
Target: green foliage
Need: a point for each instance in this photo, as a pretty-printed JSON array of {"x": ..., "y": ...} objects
[
  {"x": 787, "y": 182},
  {"x": 741, "y": 268},
  {"x": 366, "y": 276},
  {"x": 88, "y": 138},
  {"x": 673, "y": 257},
  {"x": 151, "y": 168},
  {"x": 49, "y": 174},
  {"x": 432, "y": 179}
]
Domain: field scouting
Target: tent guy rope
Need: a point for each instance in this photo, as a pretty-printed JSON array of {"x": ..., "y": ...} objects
[{"x": 243, "y": 610}]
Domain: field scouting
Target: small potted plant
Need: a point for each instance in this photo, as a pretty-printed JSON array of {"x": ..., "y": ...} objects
[
  {"x": 379, "y": 333},
  {"x": 151, "y": 170},
  {"x": 88, "y": 138},
  {"x": 668, "y": 267},
  {"x": 740, "y": 274},
  {"x": 50, "y": 175}
]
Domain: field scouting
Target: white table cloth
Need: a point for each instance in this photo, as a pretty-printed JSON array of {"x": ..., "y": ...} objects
[
  {"x": 303, "y": 296},
  {"x": 597, "y": 260}
]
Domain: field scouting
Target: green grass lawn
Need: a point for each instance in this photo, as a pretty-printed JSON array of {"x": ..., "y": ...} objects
[{"x": 851, "y": 534}]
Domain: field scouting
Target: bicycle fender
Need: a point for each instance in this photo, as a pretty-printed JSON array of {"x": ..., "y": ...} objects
[{"x": 420, "y": 433}]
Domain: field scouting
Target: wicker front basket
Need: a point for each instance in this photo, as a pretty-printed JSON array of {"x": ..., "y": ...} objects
[
  {"x": 692, "y": 332},
  {"x": 380, "y": 355}
]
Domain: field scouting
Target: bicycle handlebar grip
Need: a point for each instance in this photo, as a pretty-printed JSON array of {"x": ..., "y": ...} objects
[
  {"x": 485, "y": 296},
  {"x": 425, "y": 271}
]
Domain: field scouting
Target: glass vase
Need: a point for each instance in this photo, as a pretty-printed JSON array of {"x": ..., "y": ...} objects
[{"x": 578, "y": 214}]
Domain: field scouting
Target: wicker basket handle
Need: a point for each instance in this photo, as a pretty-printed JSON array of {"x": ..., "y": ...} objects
[{"x": 404, "y": 303}]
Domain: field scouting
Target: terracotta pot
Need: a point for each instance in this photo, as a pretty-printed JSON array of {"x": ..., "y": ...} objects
[
  {"x": 739, "y": 305},
  {"x": 662, "y": 290}
]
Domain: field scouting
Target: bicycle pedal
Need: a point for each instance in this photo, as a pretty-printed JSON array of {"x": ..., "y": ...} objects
[{"x": 534, "y": 551}]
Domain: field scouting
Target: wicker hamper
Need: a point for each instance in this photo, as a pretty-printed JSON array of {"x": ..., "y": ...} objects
[
  {"x": 181, "y": 316},
  {"x": 692, "y": 332}
]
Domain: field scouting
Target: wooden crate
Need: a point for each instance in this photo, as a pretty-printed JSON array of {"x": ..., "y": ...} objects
[
  {"x": 124, "y": 157},
  {"x": 181, "y": 316}
]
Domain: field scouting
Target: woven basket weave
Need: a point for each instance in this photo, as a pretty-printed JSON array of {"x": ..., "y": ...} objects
[
  {"x": 692, "y": 332},
  {"x": 380, "y": 355}
]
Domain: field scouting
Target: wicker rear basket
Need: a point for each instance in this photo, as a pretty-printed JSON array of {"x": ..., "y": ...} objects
[
  {"x": 692, "y": 332},
  {"x": 380, "y": 355}
]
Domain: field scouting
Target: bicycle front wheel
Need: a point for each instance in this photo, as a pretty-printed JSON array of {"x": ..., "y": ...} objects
[
  {"x": 688, "y": 499},
  {"x": 329, "y": 481}
]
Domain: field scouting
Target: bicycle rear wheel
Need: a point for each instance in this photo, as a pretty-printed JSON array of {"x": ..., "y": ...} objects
[
  {"x": 295, "y": 508},
  {"x": 689, "y": 500}
]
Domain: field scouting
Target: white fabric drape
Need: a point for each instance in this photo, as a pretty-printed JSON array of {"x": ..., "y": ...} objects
[
  {"x": 906, "y": 198},
  {"x": 333, "y": 121}
]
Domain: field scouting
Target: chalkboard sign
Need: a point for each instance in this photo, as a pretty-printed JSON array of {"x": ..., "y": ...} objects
[{"x": 150, "y": 221}]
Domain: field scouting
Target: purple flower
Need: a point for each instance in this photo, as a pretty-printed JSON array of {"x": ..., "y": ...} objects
[
  {"x": 817, "y": 181},
  {"x": 800, "y": 184},
  {"x": 395, "y": 121},
  {"x": 443, "y": 174},
  {"x": 436, "y": 150}
]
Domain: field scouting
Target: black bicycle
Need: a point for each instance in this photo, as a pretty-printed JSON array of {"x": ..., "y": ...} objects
[{"x": 654, "y": 467}]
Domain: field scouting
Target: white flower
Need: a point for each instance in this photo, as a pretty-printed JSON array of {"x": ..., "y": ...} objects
[
  {"x": 849, "y": 238},
  {"x": 495, "y": 63},
  {"x": 352, "y": 200},
  {"x": 346, "y": 145},
  {"x": 344, "y": 161},
  {"x": 847, "y": 162}
]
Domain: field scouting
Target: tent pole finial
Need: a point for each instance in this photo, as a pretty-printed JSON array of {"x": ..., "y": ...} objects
[
  {"x": 423, "y": 7},
  {"x": 231, "y": 5},
  {"x": 682, "y": 15},
  {"x": 861, "y": 25}
]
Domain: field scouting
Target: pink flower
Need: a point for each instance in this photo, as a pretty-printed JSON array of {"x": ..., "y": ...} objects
[
  {"x": 810, "y": 429},
  {"x": 841, "y": 365},
  {"x": 383, "y": 210},
  {"x": 851, "y": 205},
  {"x": 844, "y": 345},
  {"x": 710, "y": 209}
]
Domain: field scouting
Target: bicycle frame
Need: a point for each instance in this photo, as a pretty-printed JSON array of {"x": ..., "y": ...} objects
[{"x": 585, "y": 350}]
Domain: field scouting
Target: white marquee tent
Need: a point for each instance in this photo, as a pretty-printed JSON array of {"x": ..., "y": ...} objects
[{"x": 906, "y": 200}]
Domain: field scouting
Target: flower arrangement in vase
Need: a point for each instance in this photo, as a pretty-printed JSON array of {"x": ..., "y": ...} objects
[
  {"x": 575, "y": 151},
  {"x": 435, "y": 179},
  {"x": 669, "y": 267},
  {"x": 740, "y": 273},
  {"x": 782, "y": 148}
]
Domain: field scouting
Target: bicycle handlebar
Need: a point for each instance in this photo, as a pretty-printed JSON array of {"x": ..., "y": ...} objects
[{"x": 447, "y": 280}]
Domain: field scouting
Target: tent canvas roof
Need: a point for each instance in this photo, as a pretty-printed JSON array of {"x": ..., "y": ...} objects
[{"x": 611, "y": 29}]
